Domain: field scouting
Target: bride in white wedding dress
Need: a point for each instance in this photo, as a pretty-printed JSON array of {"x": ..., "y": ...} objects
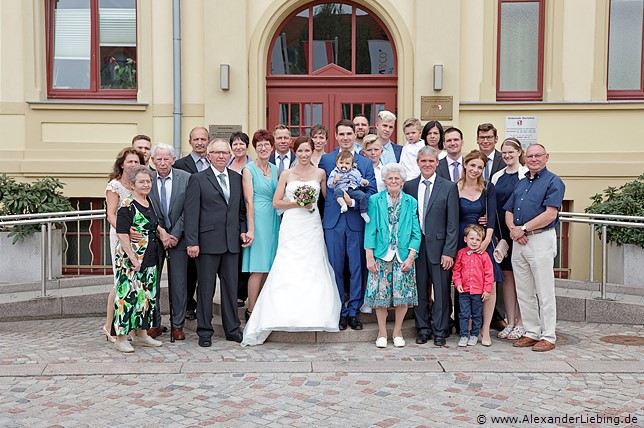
[{"x": 300, "y": 293}]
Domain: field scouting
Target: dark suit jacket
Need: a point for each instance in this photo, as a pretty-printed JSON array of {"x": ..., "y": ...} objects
[
  {"x": 210, "y": 222},
  {"x": 331, "y": 207},
  {"x": 441, "y": 220},
  {"x": 177, "y": 199},
  {"x": 186, "y": 164},
  {"x": 497, "y": 164},
  {"x": 442, "y": 170},
  {"x": 271, "y": 159},
  {"x": 397, "y": 151}
]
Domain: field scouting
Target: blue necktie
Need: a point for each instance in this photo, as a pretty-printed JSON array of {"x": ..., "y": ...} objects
[
  {"x": 280, "y": 168},
  {"x": 164, "y": 203}
]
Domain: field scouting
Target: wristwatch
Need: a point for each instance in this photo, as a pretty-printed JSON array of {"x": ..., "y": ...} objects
[{"x": 525, "y": 229}]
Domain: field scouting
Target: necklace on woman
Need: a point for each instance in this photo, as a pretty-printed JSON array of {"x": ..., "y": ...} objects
[{"x": 265, "y": 170}]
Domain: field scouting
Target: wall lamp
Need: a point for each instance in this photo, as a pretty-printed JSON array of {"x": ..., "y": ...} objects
[
  {"x": 438, "y": 77},
  {"x": 224, "y": 77}
]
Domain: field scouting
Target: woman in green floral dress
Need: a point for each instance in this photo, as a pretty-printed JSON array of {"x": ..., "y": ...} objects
[{"x": 136, "y": 263}]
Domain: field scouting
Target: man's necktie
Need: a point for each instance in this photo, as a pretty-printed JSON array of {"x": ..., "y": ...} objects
[
  {"x": 280, "y": 168},
  {"x": 457, "y": 171},
  {"x": 203, "y": 164},
  {"x": 164, "y": 202},
  {"x": 488, "y": 167},
  {"x": 224, "y": 186},
  {"x": 428, "y": 193}
]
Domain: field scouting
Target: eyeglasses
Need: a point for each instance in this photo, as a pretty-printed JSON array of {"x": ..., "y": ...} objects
[
  {"x": 485, "y": 137},
  {"x": 215, "y": 154},
  {"x": 536, "y": 156}
]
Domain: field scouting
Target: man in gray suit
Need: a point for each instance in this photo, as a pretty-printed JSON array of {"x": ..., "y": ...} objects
[
  {"x": 215, "y": 228},
  {"x": 438, "y": 214},
  {"x": 168, "y": 196}
]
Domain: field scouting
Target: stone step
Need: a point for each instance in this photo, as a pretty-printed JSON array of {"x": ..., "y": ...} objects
[{"x": 615, "y": 289}]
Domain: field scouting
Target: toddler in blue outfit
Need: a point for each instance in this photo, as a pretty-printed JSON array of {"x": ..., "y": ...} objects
[{"x": 346, "y": 178}]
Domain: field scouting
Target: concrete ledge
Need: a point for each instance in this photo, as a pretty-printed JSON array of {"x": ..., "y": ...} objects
[
  {"x": 116, "y": 368},
  {"x": 607, "y": 366},
  {"x": 376, "y": 366},
  {"x": 20, "y": 370},
  {"x": 248, "y": 367},
  {"x": 571, "y": 309},
  {"x": 615, "y": 312},
  {"x": 486, "y": 366},
  {"x": 39, "y": 308}
]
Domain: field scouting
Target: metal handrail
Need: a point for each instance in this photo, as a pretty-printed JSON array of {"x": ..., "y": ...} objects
[
  {"x": 600, "y": 219},
  {"x": 46, "y": 220}
]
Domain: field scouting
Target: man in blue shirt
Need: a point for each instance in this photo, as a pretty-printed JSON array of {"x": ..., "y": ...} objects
[
  {"x": 385, "y": 128},
  {"x": 532, "y": 212}
]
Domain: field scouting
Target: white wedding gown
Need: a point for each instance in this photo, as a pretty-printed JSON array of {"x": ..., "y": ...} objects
[{"x": 300, "y": 293}]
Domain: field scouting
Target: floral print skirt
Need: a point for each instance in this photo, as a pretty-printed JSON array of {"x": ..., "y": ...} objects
[
  {"x": 134, "y": 298},
  {"x": 391, "y": 286}
]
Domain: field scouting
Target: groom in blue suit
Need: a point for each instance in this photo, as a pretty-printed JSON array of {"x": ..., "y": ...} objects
[{"x": 344, "y": 232}]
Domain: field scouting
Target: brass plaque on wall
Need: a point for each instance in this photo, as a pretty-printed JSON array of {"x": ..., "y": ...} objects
[
  {"x": 222, "y": 131},
  {"x": 436, "y": 108}
]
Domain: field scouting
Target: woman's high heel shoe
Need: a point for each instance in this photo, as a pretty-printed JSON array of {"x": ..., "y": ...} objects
[{"x": 108, "y": 336}]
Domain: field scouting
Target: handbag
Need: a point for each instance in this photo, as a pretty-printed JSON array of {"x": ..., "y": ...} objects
[{"x": 501, "y": 248}]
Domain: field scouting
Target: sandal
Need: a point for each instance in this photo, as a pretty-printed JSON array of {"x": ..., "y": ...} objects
[
  {"x": 506, "y": 331},
  {"x": 516, "y": 333}
]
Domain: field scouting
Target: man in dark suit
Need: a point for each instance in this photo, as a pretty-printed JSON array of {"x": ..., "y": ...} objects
[
  {"x": 168, "y": 196},
  {"x": 283, "y": 157},
  {"x": 451, "y": 166},
  {"x": 215, "y": 226},
  {"x": 438, "y": 214},
  {"x": 486, "y": 137},
  {"x": 344, "y": 232},
  {"x": 385, "y": 128},
  {"x": 197, "y": 160}
]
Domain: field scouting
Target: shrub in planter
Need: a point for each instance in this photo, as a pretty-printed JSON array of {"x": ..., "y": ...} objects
[
  {"x": 625, "y": 200},
  {"x": 41, "y": 196}
]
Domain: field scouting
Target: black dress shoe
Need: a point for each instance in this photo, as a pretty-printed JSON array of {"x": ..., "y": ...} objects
[
  {"x": 422, "y": 339},
  {"x": 235, "y": 337},
  {"x": 342, "y": 325},
  {"x": 205, "y": 342},
  {"x": 439, "y": 341},
  {"x": 355, "y": 323},
  {"x": 191, "y": 314}
]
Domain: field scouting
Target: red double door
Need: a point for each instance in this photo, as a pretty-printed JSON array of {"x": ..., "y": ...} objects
[{"x": 302, "y": 107}]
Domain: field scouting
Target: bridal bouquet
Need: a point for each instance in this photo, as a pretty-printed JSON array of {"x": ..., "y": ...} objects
[{"x": 304, "y": 195}]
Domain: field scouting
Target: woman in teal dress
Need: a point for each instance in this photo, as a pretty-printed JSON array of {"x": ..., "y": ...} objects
[
  {"x": 135, "y": 263},
  {"x": 260, "y": 181}
]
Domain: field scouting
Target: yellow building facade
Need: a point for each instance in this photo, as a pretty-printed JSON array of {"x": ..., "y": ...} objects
[{"x": 595, "y": 140}]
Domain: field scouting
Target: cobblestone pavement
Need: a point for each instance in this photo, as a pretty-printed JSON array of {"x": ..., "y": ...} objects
[{"x": 63, "y": 373}]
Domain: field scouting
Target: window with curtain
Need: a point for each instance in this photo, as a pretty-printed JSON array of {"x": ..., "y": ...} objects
[
  {"x": 92, "y": 49},
  {"x": 520, "y": 50},
  {"x": 625, "y": 77}
]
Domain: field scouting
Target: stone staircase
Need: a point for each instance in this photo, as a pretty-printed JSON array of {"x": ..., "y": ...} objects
[{"x": 86, "y": 296}]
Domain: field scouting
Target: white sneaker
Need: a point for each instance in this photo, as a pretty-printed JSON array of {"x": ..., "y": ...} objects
[
  {"x": 399, "y": 342},
  {"x": 365, "y": 309},
  {"x": 381, "y": 342},
  {"x": 473, "y": 341},
  {"x": 123, "y": 346},
  {"x": 146, "y": 341},
  {"x": 462, "y": 342}
]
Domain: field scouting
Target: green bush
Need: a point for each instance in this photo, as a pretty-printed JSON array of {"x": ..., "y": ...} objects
[
  {"x": 625, "y": 200},
  {"x": 41, "y": 196}
]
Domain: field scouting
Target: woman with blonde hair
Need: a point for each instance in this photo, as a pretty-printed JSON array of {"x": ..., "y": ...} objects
[{"x": 476, "y": 200}]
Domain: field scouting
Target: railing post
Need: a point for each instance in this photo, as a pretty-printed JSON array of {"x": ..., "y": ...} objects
[
  {"x": 43, "y": 260},
  {"x": 604, "y": 250},
  {"x": 592, "y": 254},
  {"x": 49, "y": 253}
]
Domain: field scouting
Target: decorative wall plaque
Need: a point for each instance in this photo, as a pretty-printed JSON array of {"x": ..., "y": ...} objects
[
  {"x": 436, "y": 108},
  {"x": 222, "y": 131}
]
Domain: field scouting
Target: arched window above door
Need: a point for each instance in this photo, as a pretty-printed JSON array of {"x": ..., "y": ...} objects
[{"x": 332, "y": 37}]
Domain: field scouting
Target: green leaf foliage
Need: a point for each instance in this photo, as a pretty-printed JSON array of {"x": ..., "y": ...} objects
[
  {"x": 625, "y": 200},
  {"x": 41, "y": 196}
]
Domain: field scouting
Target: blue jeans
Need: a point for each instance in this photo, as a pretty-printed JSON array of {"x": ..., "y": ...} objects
[
  {"x": 356, "y": 194},
  {"x": 471, "y": 305}
]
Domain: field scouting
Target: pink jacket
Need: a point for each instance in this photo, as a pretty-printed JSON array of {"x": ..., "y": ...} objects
[{"x": 473, "y": 271}]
